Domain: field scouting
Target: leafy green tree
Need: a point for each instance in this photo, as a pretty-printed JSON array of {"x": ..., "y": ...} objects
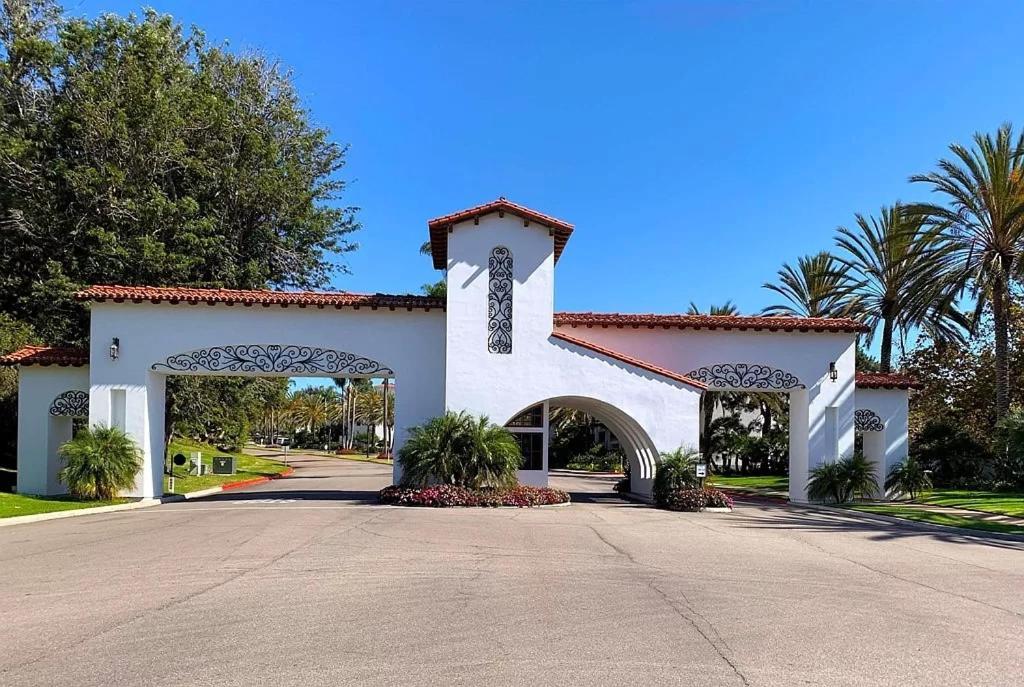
[
  {"x": 13, "y": 335},
  {"x": 819, "y": 286},
  {"x": 133, "y": 152},
  {"x": 99, "y": 463},
  {"x": 984, "y": 224},
  {"x": 898, "y": 268}
]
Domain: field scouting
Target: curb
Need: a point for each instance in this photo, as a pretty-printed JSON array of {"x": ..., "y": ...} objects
[
  {"x": 914, "y": 524},
  {"x": 142, "y": 503},
  {"x": 98, "y": 510}
]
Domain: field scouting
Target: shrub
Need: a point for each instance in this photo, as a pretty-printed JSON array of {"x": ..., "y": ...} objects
[
  {"x": 694, "y": 500},
  {"x": 99, "y": 462},
  {"x": 827, "y": 483},
  {"x": 952, "y": 456},
  {"x": 675, "y": 471},
  {"x": 452, "y": 496},
  {"x": 859, "y": 475},
  {"x": 908, "y": 477},
  {"x": 624, "y": 485},
  {"x": 459, "y": 449},
  {"x": 843, "y": 479}
]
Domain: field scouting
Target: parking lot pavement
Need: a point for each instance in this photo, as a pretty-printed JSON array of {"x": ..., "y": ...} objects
[{"x": 302, "y": 581}]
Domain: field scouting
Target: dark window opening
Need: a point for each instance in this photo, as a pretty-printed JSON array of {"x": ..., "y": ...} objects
[
  {"x": 531, "y": 417},
  {"x": 531, "y": 444}
]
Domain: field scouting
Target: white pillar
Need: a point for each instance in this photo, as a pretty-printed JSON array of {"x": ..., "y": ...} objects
[
  {"x": 132, "y": 408},
  {"x": 799, "y": 444},
  {"x": 874, "y": 450}
]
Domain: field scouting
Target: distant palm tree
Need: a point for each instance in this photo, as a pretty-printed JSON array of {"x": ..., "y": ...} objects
[
  {"x": 899, "y": 266},
  {"x": 727, "y": 308},
  {"x": 819, "y": 286},
  {"x": 984, "y": 222}
]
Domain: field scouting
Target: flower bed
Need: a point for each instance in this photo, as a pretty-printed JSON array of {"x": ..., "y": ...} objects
[
  {"x": 448, "y": 496},
  {"x": 694, "y": 500}
]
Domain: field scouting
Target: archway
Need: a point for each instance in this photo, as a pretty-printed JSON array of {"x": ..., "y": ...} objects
[
  {"x": 307, "y": 418},
  {"x": 532, "y": 427}
]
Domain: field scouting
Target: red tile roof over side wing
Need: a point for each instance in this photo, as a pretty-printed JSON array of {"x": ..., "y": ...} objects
[
  {"x": 319, "y": 299},
  {"x": 882, "y": 380},
  {"x": 712, "y": 322},
  {"x": 46, "y": 355},
  {"x": 629, "y": 360},
  {"x": 439, "y": 226}
]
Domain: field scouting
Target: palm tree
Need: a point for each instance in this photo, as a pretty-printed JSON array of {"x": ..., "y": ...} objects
[
  {"x": 460, "y": 449},
  {"x": 819, "y": 286},
  {"x": 727, "y": 308},
  {"x": 984, "y": 223},
  {"x": 899, "y": 266},
  {"x": 99, "y": 462}
]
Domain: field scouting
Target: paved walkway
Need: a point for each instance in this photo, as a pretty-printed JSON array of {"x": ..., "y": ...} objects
[{"x": 301, "y": 581}]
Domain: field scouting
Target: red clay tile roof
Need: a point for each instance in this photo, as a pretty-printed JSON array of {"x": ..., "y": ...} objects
[
  {"x": 319, "y": 299},
  {"x": 439, "y": 226},
  {"x": 891, "y": 380},
  {"x": 629, "y": 360},
  {"x": 45, "y": 355},
  {"x": 742, "y": 323}
]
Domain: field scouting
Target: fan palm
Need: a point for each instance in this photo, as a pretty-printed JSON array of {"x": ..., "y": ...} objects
[
  {"x": 819, "y": 286},
  {"x": 984, "y": 223},
  {"x": 456, "y": 448},
  {"x": 899, "y": 266},
  {"x": 99, "y": 462}
]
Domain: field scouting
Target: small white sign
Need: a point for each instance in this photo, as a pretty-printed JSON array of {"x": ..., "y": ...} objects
[{"x": 702, "y": 470}]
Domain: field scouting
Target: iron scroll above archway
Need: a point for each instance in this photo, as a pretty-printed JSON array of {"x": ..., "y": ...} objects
[
  {"x": 273, "y": 359},
  {"x": 71, "y": 403},
  {"x": 745, "y": 376},
  {"x": 865, "y": 420}
]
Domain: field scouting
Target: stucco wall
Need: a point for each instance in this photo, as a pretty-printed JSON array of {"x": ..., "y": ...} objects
[
  {"x": 891, "y": 445},
  {"x": 39, "y": 433},
  {"x": 409, "y": 343}
]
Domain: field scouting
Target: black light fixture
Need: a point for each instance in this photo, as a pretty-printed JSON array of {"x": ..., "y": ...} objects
[
  {"x": 833, "y": 373},
  {"x": 115, "y": 348}
]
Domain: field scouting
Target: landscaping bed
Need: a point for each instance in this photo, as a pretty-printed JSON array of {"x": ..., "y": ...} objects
[
  {"x": 696, "y": 500},
  {"x": 246, "y": 467},
  {"x": 449, "y": 496}
]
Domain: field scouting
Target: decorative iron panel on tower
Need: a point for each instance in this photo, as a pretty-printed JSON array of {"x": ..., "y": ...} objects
[{"x": 499, "y": 301}]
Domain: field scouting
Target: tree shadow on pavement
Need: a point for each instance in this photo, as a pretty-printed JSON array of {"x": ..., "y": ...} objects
[
  {"x": 346, "y": 495},
  {"x": 769, "y": 515}
]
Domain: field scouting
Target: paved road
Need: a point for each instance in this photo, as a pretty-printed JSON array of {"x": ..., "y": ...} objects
[{"x": 299, "y": 582}]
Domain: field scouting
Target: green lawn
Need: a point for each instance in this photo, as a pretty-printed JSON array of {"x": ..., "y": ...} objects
[
  {"x": 1002, "y": 502},
  {"x": 246, "y": 467},
  {"x": 916, "y": 514},
  {"x": 12, "y": 505},
  {"x": 770, "y": 482}
]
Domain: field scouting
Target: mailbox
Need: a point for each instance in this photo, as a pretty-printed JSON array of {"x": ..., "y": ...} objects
[{"x": 223, "y": 465}]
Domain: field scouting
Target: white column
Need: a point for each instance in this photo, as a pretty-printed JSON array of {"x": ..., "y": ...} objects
[
  {"x": 799, "y": 444},
  {"x": 130, "y": 407},
  {"x": 874, "y": 450}
]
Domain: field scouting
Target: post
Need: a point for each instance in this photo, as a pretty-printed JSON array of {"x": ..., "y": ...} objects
[{"x": 799, "y": 444}]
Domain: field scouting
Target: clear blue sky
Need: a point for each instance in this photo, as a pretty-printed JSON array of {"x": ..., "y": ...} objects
[{"x": 695, "y": 145}]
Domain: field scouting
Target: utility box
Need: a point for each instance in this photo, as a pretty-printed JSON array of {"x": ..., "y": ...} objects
[
  {"x": 195, "y": 463},
  {"x": 223, "y": 465}
]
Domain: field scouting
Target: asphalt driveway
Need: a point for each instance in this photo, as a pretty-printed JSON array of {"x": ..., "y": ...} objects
[{"x": 303, "y": 582}]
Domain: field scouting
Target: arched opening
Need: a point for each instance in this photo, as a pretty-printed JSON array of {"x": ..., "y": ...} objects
[
  {"x": 299, "y": 407},
  {"x": 532, "y": 427}
]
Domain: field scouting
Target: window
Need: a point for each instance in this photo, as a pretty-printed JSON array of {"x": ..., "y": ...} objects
[
  {"x": 499, "y": 301},
  {"x": 531, "y": 417},
  {"x": 532, "y": 446}
]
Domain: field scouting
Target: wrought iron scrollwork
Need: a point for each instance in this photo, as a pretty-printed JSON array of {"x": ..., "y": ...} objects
[
  {"x": 72, "y": 403},
  {"x": 255, "y": 358},
  {"x": 499, "y": 301},
  {"x": 745, "y": 376},
  {"x": 865, "y": 420}
]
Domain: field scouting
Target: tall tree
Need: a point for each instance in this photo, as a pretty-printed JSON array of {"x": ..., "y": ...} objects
[
  {"x": 983, "y": 187},
  {"x": 727, "y": 308},
  {"x": 819, "y": 286},
  {"x": 133, "y": 152},
  {"x": 899, "y": 268}
]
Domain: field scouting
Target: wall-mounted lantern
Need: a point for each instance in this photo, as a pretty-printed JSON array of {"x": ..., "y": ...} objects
[
  {"x": 115, "y": 348},
  {"x": 833, "y": 373}
]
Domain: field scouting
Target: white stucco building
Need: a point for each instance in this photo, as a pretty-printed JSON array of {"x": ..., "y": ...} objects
[{"x": 494, "y": 346}]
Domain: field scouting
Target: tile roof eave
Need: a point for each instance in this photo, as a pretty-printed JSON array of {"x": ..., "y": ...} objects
[
  {"x": 46, "y": 355},
  {"x": 630, "y": 360}
]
